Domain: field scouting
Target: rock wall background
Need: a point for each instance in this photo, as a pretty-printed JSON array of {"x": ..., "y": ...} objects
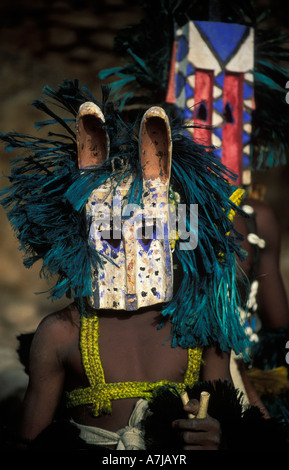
[{"x": 42, "y": 43}]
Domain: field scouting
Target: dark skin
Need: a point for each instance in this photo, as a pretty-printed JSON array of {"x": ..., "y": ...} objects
[
  {"x": 272, "y": 300},
  {"x": 138, "y": 353}
]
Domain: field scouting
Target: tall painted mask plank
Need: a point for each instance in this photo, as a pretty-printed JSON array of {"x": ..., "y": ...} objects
[{"x": 211, "y": 82}]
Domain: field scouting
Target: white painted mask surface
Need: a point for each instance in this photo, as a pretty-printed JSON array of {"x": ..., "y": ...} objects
[{"x": 133, "y": 240}]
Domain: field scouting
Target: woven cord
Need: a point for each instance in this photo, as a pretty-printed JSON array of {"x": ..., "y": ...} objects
[{"x": 100, "y": 394}]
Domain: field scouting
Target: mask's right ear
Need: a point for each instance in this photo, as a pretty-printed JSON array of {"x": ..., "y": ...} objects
[
  {"x": 92, "y": 138},
  {"x": 155, "y": 146}
]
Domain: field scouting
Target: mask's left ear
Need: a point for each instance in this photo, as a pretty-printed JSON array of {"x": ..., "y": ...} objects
[
  {"x": 155, "y": 146},
  {"x": 92, "y": 138}
]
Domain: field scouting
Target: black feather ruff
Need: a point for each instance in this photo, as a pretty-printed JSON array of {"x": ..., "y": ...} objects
[{"x": 242, "y": 428}]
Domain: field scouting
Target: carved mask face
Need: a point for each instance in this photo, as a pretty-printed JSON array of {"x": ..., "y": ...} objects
[
  {"x": 132, "y": 240},
  {"x": 211, "y": 82}
]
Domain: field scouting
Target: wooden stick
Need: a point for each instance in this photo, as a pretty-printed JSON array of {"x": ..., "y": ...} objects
[
  {"x": 204, "y": 402},
  {"x": 185, "y": 400}
]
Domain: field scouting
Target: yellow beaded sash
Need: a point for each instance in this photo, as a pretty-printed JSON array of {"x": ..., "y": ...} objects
[{"x": 99, "y": 394}]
